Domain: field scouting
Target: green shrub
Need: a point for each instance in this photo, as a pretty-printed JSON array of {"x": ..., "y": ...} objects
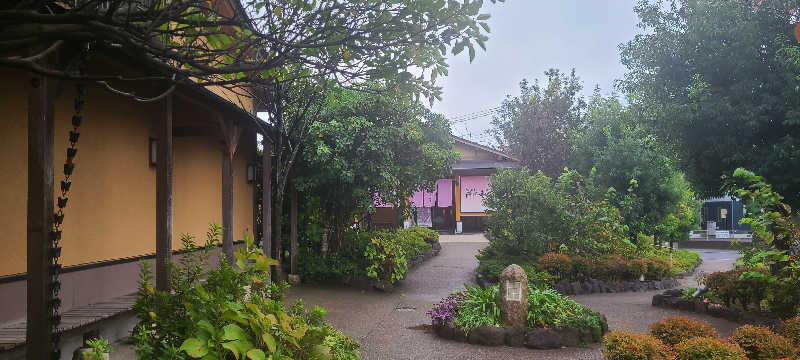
[
  {"x": 636, "y": 268},
  {"x": 790, "y": 328},
  {"x": 708, "y": 348},
  {"x": 412, "y": 243},
  {"x": 547, "y": 308},
  {"x": 675, "y": 329},
  {"x": 430, "y": 236},
  {"x": 386, "y": 258},
  {"x": 624, "y": 345},
  {"x": 538, "y": 279},
  {"x": 762, "y": 344},
  {"x": 479, "y": 307},
  {"x": 234, "y": 313},
  {"x": 657, "y": 268},
  {"x": 580, "y": 267},
  {"x": 557, "y": 264}
]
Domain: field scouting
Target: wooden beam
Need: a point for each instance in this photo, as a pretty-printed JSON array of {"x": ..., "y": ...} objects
[
  {"x": 40, "y": 216},
  {"x": 266, "y": 198},
  {"x": 293, "y": 230},
  {"x": 164, "y": 197}
]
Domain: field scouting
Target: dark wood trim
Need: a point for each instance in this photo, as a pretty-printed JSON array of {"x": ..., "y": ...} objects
[
  {"x": 40, "y": 215},
  {"x": 231, "y": 133},
  {"x": 97, "y": 264},
  {"x": 164, "y": 197}
]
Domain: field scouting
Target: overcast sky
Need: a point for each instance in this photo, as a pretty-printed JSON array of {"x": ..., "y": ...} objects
[{"x": 529, "y": 37}]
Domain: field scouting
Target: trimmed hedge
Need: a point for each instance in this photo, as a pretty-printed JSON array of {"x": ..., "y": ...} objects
[
  {"x": 790, "y": 328},
  {"x": 762, "y": 344},
  {"x": 625, "y": 345},
  {"x": 673, "y": 330},
  {"x": 708, "y": 348}
]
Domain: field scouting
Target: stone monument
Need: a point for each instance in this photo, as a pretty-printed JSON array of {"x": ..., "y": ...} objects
[{"x": 514, "y": 296}]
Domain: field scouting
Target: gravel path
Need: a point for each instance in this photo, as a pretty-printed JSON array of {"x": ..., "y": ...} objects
[{"x": 392, "y": 325}]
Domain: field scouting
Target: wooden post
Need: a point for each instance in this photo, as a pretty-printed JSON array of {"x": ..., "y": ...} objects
[
  {"x": 164, "y": 197},
  {"x": 40, "y": 216},
  {"x": 293, "y": 231},
  {"x": 266, "y": 198},
  {"x": 231, "y": 133},
  {"x": 227, "y": 204}
]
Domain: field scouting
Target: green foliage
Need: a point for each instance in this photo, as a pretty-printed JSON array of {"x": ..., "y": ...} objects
[
  {"x": 366, "y": 143},
  {"x": 236, "y": 313},
  {"x": 708, "y": 348},
  {"x": 531, "y": 215},
  {"x": 98, "y": 348},
  {"x": 430, "y": 236},
  {"x": 714, "y": 78},
  {"x": 559, "y": 265},
  {"x": 386, "y": 257},
  {"x": 673, "y": 330},
  {"x": 479, "y": 307},
  {"x": 538, "y": 279},
  {"x": 412, "y": 242},
  {"x": 547, "y": 308},
  {"x": 624, "y": 345},
  {"x": 636, "y": 169},
  {"x": 762, "y": 344}
]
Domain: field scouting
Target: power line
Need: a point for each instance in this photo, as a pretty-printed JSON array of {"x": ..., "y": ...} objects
[{"x": 474, "y": 115}]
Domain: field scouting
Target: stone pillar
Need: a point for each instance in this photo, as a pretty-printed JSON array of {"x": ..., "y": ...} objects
[{"x": 514, "y": 296}]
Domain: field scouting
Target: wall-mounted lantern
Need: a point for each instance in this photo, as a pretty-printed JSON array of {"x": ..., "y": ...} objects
[
  {"x": 153, "y": 148},
  {"x": 251, "y": 173}
]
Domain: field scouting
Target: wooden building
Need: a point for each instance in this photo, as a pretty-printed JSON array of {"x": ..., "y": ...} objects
[
  {"x": 456, "y": 204},
  {"x": 145, "y": 173}
]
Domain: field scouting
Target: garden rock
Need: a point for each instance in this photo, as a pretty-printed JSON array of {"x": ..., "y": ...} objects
[
  {"x": 570, "y": 336},
  {"x": 542, "y": 339},
  {"x": 459, "y": 334},
  {"x": 514, "y": 296},
  {"x": 446, "y": 330},
  {"x": 487, "y": 335},
  {"x": 515, "y": 336}
]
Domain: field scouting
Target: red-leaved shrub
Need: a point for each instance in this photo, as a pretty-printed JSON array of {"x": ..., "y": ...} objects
[
  {"x": 624, "y": 345},
  {"x": 762, "y": 344},
  {"x": 790, "y": 328},
  {"x": 555, "y": 264},
  {"x": 708, "y": 348},
  {"x": 675, "y": 329}
]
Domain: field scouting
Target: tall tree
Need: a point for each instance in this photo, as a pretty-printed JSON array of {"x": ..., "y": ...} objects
[
  {"x": 236, "y": 44},
  {"x": 716, "y": 80},
  {"x": 365, "y": 144},
  {"x": 535, "y": 125},
  {"x": 620, "y": 154}
]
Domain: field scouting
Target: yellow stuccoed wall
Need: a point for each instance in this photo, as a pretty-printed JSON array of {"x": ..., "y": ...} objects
[{"x": 111, "y": 211}]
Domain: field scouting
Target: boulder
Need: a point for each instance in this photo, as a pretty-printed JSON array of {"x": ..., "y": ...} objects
[
  {"x": 658, "y": 300},
  {"x": 436, "y": 246},
  {"x": 487, "y": 335},
  {"x": 542, "y": 339},
  {"x": 515, "y": 336}
]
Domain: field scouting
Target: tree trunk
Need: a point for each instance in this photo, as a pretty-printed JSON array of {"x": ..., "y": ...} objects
[
  {"x": 40, "y": 216},
  {"x": 293, "y": 231},
  {"x": 266, "y": 198},
  {"x": 227, "y": 204},
  {"x": 278, "y": 236},
  {"x": 164, "y": 198}
]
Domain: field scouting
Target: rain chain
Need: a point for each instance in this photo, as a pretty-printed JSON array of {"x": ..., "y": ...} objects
[{"x": 58, "y": 217}]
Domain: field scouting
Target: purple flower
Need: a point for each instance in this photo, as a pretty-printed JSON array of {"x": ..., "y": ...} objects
[{"x": 446, "y": 309}]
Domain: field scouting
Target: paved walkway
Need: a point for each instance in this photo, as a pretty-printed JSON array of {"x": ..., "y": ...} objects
[{"x": 392, "y": 325}]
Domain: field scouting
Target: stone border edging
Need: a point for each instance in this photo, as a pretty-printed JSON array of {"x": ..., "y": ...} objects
[
  {"x": 532, "y": 338},
  {"x": 594, "y": 286},
  {"x": 673, "y": 299},
  {"x": 365, "y": 283}
]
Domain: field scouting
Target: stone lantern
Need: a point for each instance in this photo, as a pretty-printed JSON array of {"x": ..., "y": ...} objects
[{"x": 514, "y": 296}]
